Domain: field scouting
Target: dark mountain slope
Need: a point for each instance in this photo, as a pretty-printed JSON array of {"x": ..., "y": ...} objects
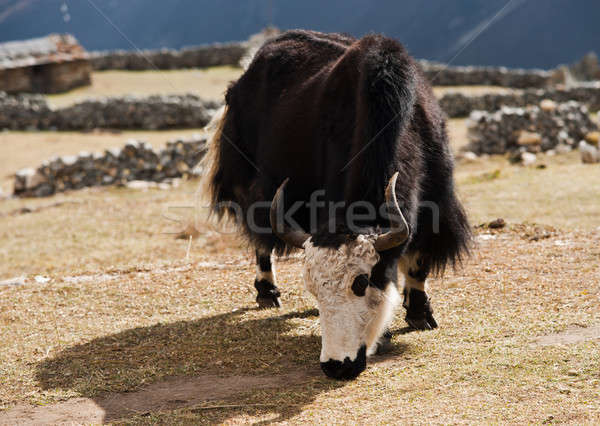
[{"x": 527, "y": 33}]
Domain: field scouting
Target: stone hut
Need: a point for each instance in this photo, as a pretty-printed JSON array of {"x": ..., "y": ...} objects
[{"x": 52, "y": 64}]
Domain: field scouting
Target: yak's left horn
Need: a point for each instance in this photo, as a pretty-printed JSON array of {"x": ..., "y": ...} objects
[
  {"x": 399, "y": 232},
  {"x": 290, "y": 236}
]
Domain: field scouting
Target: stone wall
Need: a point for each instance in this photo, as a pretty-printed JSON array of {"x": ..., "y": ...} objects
[
  {"x": 533, "y": 129},
  {"x": 442, "y": 75},
  {"x": 458, "y": 105},
  {"x": 29, "y": 112},
  {"x": 135, "y": 161},
  {"x": 193, "y": 57}
]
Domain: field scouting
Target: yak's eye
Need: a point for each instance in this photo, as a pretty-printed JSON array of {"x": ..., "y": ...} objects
[{"x": 360, "y": 284}]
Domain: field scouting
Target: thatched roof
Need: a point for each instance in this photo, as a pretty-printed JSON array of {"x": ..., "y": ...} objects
[{"x": 43, "y": 50}]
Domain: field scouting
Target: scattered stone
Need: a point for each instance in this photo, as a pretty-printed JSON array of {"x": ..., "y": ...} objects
[
  {"x": 563, "y": 149},
  {"x": 548, "y": 105},
  {"x": 468, "y": 157},
  {"x": 573, "y": 373},
  {"x": 16, "y": 281},
  {"x": 514, "y": 128},
  {"x": 529, "y": 138},
  {"x": 140, "y": 184},
  {"x": 137, "y": 165},
  {"x": 40, "y": 279},
  {"x": 589, "y": 153},
  {"x": 497, "y": 224},
  {"x": 31, "y": 112},
  {"x": 587, "y": 69},
  {"x": 528, "y": 158},
  {"x": 458, "y": 105},
  {"x": 593, "y": 138},
  {"x": 486, "y": 76}
]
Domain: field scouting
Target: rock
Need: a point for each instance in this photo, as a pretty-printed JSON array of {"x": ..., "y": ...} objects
[
  {"x": 589, "y": 153},
  {"x": 140, "y": 184},
  {"x": 511, "y": 128},
  {"x": 16, "y": 281},
  {"x": 587, "y": 69},
  {"x": 593, "y": 138},
  {"x": 468, "y": 157},
  {"x": 548, "y": 105},
  {"x": 137, "y": 165},
  {"x": 40, "y": 279},
  {"x": 497, "y": 224},
  {"x": 563, "y": 149},
  {"x": 28, "y": 179},
  {"x": 527, "y": 158}
]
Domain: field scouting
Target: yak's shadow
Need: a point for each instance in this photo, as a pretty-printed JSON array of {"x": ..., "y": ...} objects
[{"x": 235, "y": 347}]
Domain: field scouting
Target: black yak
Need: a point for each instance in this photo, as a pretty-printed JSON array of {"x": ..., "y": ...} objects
[{"x": 338, "y": 146}]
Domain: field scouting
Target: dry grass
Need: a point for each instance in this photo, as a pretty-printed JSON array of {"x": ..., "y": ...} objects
[
  {"x": 209, "y": 83},
  {"x": 563, "y": 194},
  {"x": 124, "y": 307},
  {"x": 182, "y": 319}
]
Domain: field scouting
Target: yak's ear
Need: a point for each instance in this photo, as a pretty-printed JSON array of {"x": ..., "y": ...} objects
[{"x": 360, "y": 284}]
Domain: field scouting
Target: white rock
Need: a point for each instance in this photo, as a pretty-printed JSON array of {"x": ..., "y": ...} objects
[
  {"x": 16, "y": 281},
  {"x": 563, "y": 149},
  {"x": 69, "y": 160},
  {"x": 140, "y": 184},
  {"x": 548, "y": 105},
  {"x": 31, "y": 177},
  {"x": 468, "y": 156},
  {"x": 41, "y": 279},
  {"x": 589, "y": 153},
  {"x": 528, "y": 158}
]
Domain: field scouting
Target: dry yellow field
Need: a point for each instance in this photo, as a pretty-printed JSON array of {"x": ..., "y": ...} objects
[
  {"x": 209, "y": 83},
  {"x": 118, "y": 321}
]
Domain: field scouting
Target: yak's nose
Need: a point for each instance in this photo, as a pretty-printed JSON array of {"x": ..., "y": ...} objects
[{"x": 348, "y": 369}]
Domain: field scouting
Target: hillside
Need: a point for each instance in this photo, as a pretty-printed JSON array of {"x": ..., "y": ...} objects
[{"x": 527, "y": 33}]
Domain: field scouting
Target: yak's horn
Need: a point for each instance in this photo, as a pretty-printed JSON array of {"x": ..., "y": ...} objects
[
  {"x": 290, "y": 236},
  {"x": 399, "y": 232}
]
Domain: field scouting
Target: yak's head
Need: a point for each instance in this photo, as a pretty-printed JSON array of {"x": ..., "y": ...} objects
[{"x": 353, "y": 312}]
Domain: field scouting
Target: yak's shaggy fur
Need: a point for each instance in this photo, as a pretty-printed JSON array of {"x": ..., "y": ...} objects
[{"x": 342, "y": 115}]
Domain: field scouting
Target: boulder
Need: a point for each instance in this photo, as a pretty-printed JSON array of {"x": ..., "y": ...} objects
[{"x": 589, "y": 153}]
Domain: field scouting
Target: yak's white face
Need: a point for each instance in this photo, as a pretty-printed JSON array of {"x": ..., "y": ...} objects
[{"x": 353, "y": 315}]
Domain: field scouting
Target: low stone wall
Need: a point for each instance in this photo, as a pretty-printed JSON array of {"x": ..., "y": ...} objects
[
  {"x": 165, "y": 59},
  {"x": 135, "y": 161},
  {"x": 30, "y": 112},
  {"x": 457, "y": 105},
  {"x": 441, "y": 75},
  {"x": 532, "y": 129}
]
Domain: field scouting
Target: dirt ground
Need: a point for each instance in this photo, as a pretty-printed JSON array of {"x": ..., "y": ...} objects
[{"x": 106, "y": 317}]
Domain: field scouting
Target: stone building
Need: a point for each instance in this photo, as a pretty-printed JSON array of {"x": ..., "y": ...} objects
[{"x": 51, "y": 64}]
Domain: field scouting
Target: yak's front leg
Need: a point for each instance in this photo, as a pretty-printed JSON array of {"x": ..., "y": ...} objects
[
  {"x": 419, "y": 314},
  {"x": 268, "y": 293}
]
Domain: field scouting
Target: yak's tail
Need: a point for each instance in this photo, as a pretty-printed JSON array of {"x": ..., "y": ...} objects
[{"x": 209, "y": 163}]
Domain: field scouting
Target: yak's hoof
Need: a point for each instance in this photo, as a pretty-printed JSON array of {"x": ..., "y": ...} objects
[
  {"x": 268, "y": 302},
  {"x": 419, "y": 314},
  {"x": 427, "y": 323},
  {"x": 385, "y": 344},
  {"x": 268, "y": 294}
]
